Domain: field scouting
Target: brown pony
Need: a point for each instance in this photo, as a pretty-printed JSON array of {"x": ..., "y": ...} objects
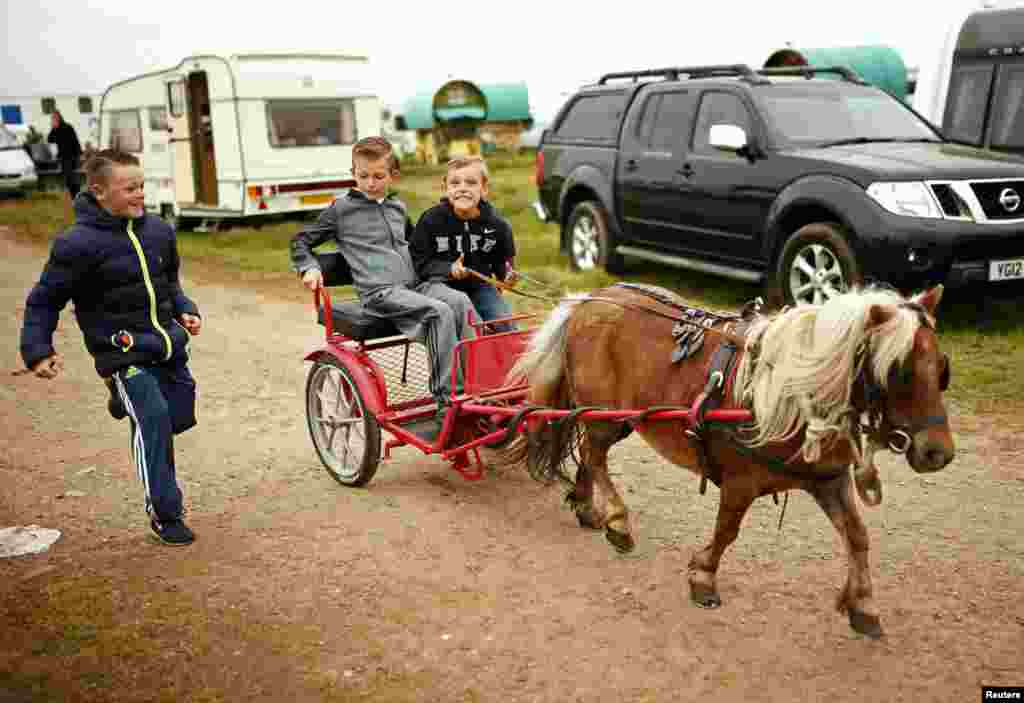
[{"x": 827, "y": 385}]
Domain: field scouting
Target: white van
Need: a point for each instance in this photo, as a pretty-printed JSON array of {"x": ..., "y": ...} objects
[
  {"x": 17, "y": 172},
  {"x": 244, "y": 134},
  {"x": 973, "y": 89}
]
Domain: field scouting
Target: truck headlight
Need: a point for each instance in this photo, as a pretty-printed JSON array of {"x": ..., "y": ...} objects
[{"x": 911, "y": 199}]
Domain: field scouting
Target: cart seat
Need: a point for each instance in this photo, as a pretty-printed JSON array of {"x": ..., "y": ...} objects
[
  {"x": 350, "y": 319},
  {"x": 347, "y": 316}
]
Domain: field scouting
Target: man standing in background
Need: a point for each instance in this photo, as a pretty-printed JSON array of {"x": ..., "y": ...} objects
[{"x": 69, "y": 151}]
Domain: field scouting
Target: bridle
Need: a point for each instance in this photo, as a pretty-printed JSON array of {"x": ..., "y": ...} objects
[{"x": 897, "y": 436}]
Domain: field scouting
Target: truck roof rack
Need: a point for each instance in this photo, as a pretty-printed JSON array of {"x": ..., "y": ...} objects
[
  {"x": 809, "y": 71},
  {"x": 673, "y": 73},
  {"x": 740, "y": 70}
]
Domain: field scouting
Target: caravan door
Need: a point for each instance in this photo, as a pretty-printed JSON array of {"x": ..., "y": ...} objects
[{"x": 179, "y": 119}]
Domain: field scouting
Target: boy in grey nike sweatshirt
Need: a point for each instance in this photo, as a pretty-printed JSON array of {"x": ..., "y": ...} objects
[{"x": 372, "y": 232}]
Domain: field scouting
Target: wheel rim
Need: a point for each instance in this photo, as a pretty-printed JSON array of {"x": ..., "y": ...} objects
[
  {"x": 586, "y": 249},
  {"x": 337, "y": 422},
  {"x": 815, "y": 275}
]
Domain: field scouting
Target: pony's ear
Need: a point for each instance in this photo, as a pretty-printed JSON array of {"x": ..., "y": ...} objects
[
  {"x": 930, "y": 299},
  {"x": 879, "y": 315}
]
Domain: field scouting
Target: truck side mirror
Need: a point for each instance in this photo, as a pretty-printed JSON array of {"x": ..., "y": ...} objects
[{"x": 727, "y": 137}]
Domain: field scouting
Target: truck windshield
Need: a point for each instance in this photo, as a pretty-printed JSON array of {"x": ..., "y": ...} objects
[{"x": 806, "y": 115}]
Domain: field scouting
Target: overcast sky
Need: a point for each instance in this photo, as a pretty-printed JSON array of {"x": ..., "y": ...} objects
[{"x": 65, "y": 46}]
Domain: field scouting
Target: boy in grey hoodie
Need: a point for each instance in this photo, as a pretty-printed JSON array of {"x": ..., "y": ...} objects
[{"x": 372, "y": 232}]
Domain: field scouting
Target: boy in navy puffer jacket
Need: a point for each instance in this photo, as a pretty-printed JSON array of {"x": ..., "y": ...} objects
[{"x": 119, "y": 266}]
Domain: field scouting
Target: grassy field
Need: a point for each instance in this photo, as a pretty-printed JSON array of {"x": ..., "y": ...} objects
[{"x": 983, "y": 335}]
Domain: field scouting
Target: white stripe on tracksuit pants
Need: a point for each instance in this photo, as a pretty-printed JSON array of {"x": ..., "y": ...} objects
[{"x": 160, "y": 402}]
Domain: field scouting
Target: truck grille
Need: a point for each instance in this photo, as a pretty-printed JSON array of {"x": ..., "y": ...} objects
[
  {"x": 981, "y": 201},
  {"x": 1000, "y": 200},
  {"x": 948, "y": 200}
]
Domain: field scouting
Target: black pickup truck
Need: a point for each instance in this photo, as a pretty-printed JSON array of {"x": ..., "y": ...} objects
[{"x": 807, "y": 180}]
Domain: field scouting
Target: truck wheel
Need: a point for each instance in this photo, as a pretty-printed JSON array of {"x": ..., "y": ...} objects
[
  {"x": 590, "y": 242},
  {"x": 815, "y": 265}
]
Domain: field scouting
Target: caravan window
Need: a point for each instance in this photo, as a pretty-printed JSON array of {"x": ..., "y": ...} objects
[
  {"x": 176, "y": 98},
  {"x": 125, "y": 130},
  {"x": 49, "y": 105},
  {"x": 1008, "y": 109},
  {"x": 965, "y": 107},
  {"x": 85, "y": 105},
  {"x": 158, "y": 119},
  {"x": 311, "y": 122}
]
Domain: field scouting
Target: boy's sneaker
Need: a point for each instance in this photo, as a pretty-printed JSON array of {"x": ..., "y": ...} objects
[
  {"x": 172, "y": 532},
  {"x": 114, "y": 405}
]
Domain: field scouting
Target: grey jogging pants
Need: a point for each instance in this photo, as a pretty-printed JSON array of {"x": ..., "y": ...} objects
[{"x": 431, "y": 313}]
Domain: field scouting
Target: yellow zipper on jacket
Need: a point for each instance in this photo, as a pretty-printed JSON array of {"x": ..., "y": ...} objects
[{"x": 149, "y": 289}]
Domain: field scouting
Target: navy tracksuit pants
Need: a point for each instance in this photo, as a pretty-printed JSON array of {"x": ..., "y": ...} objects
[{"x": 161, "y": 402}]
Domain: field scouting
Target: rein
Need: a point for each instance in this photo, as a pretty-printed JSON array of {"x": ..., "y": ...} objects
[{"x": 501, "y": 285}]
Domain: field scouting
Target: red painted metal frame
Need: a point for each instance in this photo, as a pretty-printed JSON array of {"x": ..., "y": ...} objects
[{"x": 495, "y": 403}]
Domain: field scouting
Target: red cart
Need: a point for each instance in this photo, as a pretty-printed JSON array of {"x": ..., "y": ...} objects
[{"x": 368, "y": 377}]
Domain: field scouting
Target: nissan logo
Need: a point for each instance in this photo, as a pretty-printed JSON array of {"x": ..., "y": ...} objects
[{"x": 1009, "y": 199}]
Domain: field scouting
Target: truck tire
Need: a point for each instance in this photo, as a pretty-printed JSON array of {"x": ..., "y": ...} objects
[
  {"x": 816, "y": 263},
  {"x": 589, "y": 240}
]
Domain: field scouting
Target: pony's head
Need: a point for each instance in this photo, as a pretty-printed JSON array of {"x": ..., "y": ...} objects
[
  {"x": 903, "y": 378},
  {"x": 815, "y": 369}
]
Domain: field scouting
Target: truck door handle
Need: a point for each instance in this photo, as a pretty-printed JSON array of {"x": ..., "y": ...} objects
[
  {"x": 631, "y": 165},
  {"x": 686, "y": 171}
]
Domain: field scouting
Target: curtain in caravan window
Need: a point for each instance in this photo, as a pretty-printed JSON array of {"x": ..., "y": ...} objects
[
  {"x": 969, "y": 90},
  {"x": 1008, "y": 109},
  {"x": 126, "y": 130},
  {"x": 294, "y": 123}
]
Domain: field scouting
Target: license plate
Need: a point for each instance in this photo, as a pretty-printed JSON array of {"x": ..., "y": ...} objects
[
  {"x": 320, "y": 199},
  {"x": 1006, "y": 270}
]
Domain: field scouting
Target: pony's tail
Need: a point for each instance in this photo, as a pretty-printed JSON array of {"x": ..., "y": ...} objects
[{"x": 543, "y": 451}]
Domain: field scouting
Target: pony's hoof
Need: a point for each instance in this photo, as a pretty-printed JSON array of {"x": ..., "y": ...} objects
[
  {"x": 704, "y": 597},
  {"x": 586, "y": 519},
  {"x": 869, "y": 488},
  {"x": 865, "y": 624},
  {"x": 622, "y": 541}
]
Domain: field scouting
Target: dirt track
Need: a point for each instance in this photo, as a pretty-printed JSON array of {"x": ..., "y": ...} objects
[{"x": 425, "y": 587}]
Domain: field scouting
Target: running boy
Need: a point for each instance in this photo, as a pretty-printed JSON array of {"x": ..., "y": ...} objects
[
  {"x": 371, "y": 229},
  {"x": 119, "y": 266},
  {"x": 464, "y": 232}
]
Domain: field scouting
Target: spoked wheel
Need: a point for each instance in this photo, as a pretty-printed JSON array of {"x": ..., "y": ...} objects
[{"x": 345, "y": 435}]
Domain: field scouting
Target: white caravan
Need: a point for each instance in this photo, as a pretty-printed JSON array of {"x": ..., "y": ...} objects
[
  {"x": 80, "y": 111},
  {"x": 973, "y": 89},
  {"x": 245, "y": 134}
]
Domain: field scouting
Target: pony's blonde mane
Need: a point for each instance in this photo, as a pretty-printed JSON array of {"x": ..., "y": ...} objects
[{"x": 799, "y": 367}]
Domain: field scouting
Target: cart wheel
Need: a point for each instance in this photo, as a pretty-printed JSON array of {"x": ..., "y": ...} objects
[{"x": 345, "y": 435}]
